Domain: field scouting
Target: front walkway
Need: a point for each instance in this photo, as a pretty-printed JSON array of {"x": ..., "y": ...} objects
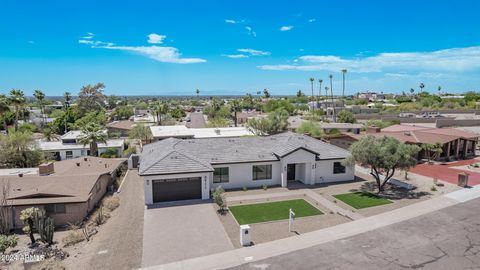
[
  {"x": 258, "y": 252},
  {"x": 178, "y": 232}
]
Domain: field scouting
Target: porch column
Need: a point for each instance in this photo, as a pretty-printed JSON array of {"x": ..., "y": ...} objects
[
  {"x": 465, "y": 147},
  {"x": 447, "y": 156},
  {"x": 313, "y": 165},
  {"x": 474, "y": 147},
  {"x": 284, "y": 175},
  {"x": 457, "y": 150}
]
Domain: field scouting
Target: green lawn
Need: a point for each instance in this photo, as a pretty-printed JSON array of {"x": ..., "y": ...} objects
[
  {"x": 359, "y": 200},
  {"x": 262, "y": 212}
]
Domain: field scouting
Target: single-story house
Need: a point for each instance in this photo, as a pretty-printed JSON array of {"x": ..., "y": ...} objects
[
  {"x": 122, "y": 127},
  {"x": 69, "y": 146},
  {"x": 183, "y": 132},
  {"x": 455, "y": 143},
  {"x": 67, "y": 190},
  {"x": 175, "y": 169}
]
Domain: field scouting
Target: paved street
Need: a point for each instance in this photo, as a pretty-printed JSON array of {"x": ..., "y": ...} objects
[
  {"x": 181, "y": 231},
  {"x": 445, "y": 239},
  {"x": 118, "y": 245}
]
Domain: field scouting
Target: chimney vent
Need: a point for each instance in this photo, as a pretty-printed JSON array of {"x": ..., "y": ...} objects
[
  {"x": 46, "y": 168},
  {"x": 20, "y": 175},
  {"x": 78, "y": 164},
  {"x": 85, "y": 159}
]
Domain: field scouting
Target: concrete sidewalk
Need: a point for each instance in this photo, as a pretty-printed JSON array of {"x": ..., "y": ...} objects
[{"x": 262, "y": 251}]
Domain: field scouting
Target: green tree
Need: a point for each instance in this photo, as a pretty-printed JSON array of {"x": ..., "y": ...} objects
[
  {"x": 300, "y": 94},
  {"x": 384, "y": 156},
  {"x": 18, "y": 100},
  {"x": 219, "y": 198},
  {"x": 67, "y": 100},
  {"x": 160, "y": 109},
  {"x": 19, "y": 150},
  {"x": 311, "y": 128},
  {"x": 344, "y": 71},
  {"x": 274, "y": 123},
  {"x": 123, "y": 112},
  {"x": 217, "y": 122},
  {"x": 311, "y": 83},
  {"x": 40, "y": 97},
  {"x": 92, "y": 134},
  {"x": 345, "y": 116},
  {"x": 27, "y": 216},
  {"x": 197, "y": 92},
  {"x": 235, "y": 107},
  {"x": 266, "y": 93},
  {"x": 4, "y": 108},
  {"x": 141, "y": 132},
  {"x": 91, "y": 98},
  {"x": 112, "y": 101},
  {"x": 320, "y": 81},
  {"x": 432, "y": 151},
  {"x": 177, "y": 113},
  {"x": 97, "y": 117},
  {"x": 333, "y": 102}
]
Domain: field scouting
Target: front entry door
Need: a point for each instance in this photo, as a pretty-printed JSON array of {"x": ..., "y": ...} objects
[{"x": 290, "y": 172}]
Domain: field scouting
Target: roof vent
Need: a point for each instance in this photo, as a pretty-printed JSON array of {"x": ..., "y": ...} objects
[
  {"x": 407, "y": 133},
  {"x": 78, "y": 164},
  {"x": 217, "y": 131},
  {"x": 85, "y": 159},
  {"x": 20, "y": 175}
]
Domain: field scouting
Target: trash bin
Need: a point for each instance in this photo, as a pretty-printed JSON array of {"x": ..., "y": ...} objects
[
  {"x": 462, "y": 179},
  {"x": 245, "y": 235}
]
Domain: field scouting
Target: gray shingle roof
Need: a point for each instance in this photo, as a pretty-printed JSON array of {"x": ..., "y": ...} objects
[{"x": 200, "y": 154}]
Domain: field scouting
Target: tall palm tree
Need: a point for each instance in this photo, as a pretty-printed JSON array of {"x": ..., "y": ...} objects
[
  {"x": 331, "y": 92},
  {"x": 92, "y": 134},
  {"x": 311, "y": 82},
  {"x": 4, "y": 108},
  {"x": 234, "y": 108},
  {"x": 67, "y": 99},
  {"x": 18, "y": 100},
  {"x": 40, "y": 97},
  {"x": 197, "y": 92},
  {"x": 161, "y": 109},
  {"x": 422, "y": 85},
  {"x": 344, "y": 71},
  {"x": 320, "y": 81},
  {"x": 439, "y": 88}
]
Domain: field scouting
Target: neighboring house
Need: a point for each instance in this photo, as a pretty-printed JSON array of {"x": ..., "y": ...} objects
[
  {"x": 294, "y": 122},
  {"x": 371, "y": 96},
  {"x": 455, "y": 143},
  {"x": 67, "y": 190},
  {"x": 182, "y": 132},
  {"x": 175, "y": 169},
  {"x": 196, "y": 120},
  {"x": 69, "y": 146},
  {"x": 243, "y": 116},
  {"x": 122, "y": 127}
]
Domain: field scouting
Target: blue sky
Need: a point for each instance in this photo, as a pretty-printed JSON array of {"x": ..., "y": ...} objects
[{"x": 237, "y": 47}]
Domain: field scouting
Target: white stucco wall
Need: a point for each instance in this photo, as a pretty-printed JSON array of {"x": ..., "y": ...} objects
[
  {"x": 241, "y": 175},
  {"x": 83, "y": 152},
  {"x": 324, "y": 172},
  {"x": 147, "y": 183}
]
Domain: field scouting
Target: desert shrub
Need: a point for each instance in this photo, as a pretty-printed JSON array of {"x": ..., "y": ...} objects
[
  {"x": 264, "y": 187},
  {"x": 7, "y": 241},
  {"x": 73, "y": 237},
  {"x": 50, "y": 264},
  {"x": 219, "y": 198},
  {"x": 111, "y": 202}
]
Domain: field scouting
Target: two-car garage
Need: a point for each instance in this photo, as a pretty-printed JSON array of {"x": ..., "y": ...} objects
[{"x": 175, "y": 189}]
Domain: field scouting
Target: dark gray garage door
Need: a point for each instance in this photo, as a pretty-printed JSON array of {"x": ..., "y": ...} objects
[{"x": 177, "y": 189}]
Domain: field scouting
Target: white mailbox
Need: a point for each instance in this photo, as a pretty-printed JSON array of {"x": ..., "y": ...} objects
[{"x": 245, "y": 233}]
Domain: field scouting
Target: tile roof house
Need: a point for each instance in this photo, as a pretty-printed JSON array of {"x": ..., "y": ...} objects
[
  {"x": 175, "y": 169},
  {"x": 67, "y": 190},
  {"x": 122, "y": 127},
  {"x": 455, "y": 143}
]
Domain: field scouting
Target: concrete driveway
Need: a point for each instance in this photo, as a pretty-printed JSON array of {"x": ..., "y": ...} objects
[{"x": 177, "y": 232}]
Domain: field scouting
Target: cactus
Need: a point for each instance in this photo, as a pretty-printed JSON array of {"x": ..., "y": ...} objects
[{"x": 45, "y": 227}]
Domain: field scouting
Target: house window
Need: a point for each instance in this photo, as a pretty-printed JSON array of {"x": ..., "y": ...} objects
[
  {"x": 58, "y": 208},
  {"x": 220, "y": 175},
  {"x": 338, "y": 168},
  {"x": 262, "y": 172},
  {"x": 69, "y": 154}
]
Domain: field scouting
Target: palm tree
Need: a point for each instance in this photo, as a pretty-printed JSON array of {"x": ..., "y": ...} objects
[
  {"x": 4, "y": 108},
  {"x": 421, "y": 87},
  {"x": 311, "y": 82},
  {"x": 234, "y": 108},
  {"x": 40, "y": 97},
  {"x": 161, "y": 109},
  {"x": 92, "y": 134},
  {"x": 197, "y": 92},
  {"x": 331, "y": 92},
  {"x": 320, "y": 89},
  {"x": 17, "y": 98},
  {"x": 67, "y": 99},
  {"x": 439, "y": 88},
  {"x": 266, "y": 94},
  {"x": 344, "y": 71}
]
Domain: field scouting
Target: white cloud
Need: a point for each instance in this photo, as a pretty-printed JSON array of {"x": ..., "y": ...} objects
[
  {"x": 158, "y": 53},
  {"x": 312, "y": 20},
  {"x": 89, "y": 35},
  {"x": 448, "y": 60},
  {"x": 155, "y": 38},
  {"x": 286, "y": 28},
  {"x": 234, "y": 21},
  {"x": 236, "y": 56},
  {"x": 250, "y": 31},
  {"x": 253, "y": 52}
]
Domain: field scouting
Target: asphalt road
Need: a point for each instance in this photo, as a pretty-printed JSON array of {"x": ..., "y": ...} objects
[
  {"x": 120, "y": 239},
  {"x": 446, "y": 239}
]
